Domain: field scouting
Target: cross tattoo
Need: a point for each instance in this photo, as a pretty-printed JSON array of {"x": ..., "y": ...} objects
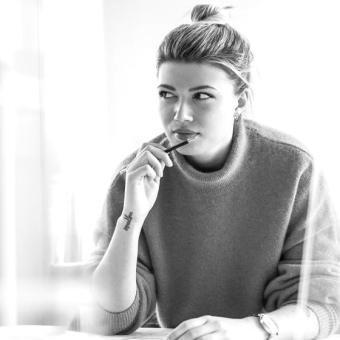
[{"x": 128, "y": 218}]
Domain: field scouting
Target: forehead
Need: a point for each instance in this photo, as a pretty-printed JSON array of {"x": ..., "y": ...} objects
[{"x": 183, "y": 74}]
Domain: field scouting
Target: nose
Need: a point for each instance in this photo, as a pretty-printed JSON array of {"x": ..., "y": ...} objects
[{"x": 183, "y": 111}]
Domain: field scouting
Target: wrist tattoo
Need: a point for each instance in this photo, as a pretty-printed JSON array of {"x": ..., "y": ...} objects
[{"x": 128, "y": 219}]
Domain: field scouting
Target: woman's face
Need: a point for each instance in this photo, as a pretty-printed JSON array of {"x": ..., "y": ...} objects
[{"x": 197, "y": 101}]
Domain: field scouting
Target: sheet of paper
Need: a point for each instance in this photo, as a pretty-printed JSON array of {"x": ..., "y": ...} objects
[
  {"x": 58, "y": 333},
  {"x": 146, "y": 334},
  {"x": 31, "y": 332}
]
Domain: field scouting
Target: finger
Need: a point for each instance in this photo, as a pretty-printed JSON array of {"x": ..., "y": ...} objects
[
  {"x": 158, "y": 152},
  {"x": 199, "y": 331},
  {"x": 186, "y": 326},
  {"x": 215, "y": 335},
  {"x": 141, "y": 172},
  {"x": 146, "y": 157},
  {"x": 160, "y": 146},
  {"x": 157, "y": 145},
  {"x": 155, "y": 163}
]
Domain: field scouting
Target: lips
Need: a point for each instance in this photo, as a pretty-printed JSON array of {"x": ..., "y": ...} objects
[{"x": 185, "y": 134}]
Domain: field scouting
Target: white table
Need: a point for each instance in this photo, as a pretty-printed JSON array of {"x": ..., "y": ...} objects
[{"x": 59, "y": 333}]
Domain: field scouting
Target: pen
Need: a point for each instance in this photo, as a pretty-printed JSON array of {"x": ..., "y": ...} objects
[
  {"x": 190, "y": 138},
  {"x": 176, "y": 146}
]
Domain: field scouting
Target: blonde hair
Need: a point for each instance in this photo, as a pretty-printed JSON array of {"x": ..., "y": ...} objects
[{"x": 209, "y": 38}]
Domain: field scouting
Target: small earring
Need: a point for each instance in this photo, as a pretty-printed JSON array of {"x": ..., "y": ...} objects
[{"x": 237, "y": 113}]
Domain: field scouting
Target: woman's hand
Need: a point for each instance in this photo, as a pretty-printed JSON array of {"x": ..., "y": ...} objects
[
  {"x": 216, "y": 328},
  {"x": 142, "y": 181}
]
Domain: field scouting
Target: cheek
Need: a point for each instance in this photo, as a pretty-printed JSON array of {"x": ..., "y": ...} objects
[
  {"x": 219, "y": 125},
  {"x": 165, "y": 114}
]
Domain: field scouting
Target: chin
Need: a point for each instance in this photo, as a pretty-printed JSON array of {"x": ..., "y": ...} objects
[{"x": 187, "y": 150}]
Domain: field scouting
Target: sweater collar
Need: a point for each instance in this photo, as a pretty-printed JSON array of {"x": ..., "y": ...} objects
[{"x": 229, "y": 168}]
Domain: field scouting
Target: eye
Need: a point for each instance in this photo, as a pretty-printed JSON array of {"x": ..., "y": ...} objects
[
  {"x": 166, "y": 94},
  {"x": 202, "y": 96}
]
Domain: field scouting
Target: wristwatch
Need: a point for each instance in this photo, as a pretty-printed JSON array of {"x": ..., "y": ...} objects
[{"x": 269, "y": 325}]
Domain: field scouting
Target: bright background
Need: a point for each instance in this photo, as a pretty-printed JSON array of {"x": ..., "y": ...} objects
[{"x": 77, "y": 94}]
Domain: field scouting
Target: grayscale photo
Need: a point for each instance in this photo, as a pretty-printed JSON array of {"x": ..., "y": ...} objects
[{"x": 169, "y": 170}]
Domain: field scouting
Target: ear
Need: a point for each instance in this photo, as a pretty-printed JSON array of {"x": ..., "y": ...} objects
[{"x": 242, "y": 99}]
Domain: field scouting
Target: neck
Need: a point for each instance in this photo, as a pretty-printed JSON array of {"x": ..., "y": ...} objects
[{"x": 215, "y": 163}]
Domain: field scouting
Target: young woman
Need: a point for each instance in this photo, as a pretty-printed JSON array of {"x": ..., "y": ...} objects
[{"x": 213, "y": 232}]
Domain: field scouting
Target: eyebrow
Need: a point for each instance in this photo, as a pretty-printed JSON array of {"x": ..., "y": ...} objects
[
  {"x": 202, "y": 87},
  {"x": 167, "y": 87}
]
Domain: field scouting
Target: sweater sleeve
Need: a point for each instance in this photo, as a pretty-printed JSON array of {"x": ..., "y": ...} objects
[
  {"x": 311, "y": 249},
  {"x": 93, "y": 318}
]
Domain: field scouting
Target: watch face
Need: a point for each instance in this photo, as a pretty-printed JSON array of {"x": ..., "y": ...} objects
[{"x": 269, "y": 324}]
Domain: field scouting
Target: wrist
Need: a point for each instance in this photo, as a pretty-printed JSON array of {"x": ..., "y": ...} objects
[
  {"x": 128, "y": 222},
  {"x": 257, "y": 330}
]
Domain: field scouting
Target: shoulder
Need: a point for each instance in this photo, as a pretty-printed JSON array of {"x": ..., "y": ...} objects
[{"x": 273, "y": 141}]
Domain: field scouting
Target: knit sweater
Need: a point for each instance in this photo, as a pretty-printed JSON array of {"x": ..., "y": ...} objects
[{"x": 229, "y": 243}]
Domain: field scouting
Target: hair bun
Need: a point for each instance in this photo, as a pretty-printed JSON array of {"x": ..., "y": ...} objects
[{"x": 208, "y": 13}]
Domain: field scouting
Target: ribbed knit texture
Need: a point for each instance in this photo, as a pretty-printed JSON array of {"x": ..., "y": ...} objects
[
  {"x": 230, "y": 242},
  {"x": 327, "y": 319}
]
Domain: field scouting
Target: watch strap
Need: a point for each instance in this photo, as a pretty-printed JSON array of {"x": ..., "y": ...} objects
[{"x": 269, "y": 325}]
